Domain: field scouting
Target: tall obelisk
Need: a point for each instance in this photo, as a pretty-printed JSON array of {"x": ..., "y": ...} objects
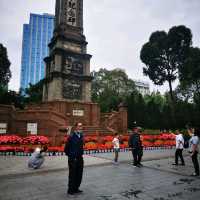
[{"x": 68, "y": 64}]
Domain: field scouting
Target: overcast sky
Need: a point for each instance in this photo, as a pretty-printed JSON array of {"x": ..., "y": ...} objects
[{"x": 115, "y": 29}]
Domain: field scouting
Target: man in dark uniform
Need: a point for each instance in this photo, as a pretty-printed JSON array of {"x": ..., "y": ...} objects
[
  {"x": 135, "y": 144},
  {"x": 74, "y": 151}
]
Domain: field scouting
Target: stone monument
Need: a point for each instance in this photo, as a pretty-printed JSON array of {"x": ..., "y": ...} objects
[
  {"x": 67, "y": 87},
  {"x": 68, "y": 64}
]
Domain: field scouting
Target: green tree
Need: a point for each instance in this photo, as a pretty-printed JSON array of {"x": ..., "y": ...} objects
[
  {"x": 12, "y": 98},
  {"x": 109, "y": 88},
  {"x": 34, "y": 92},
  {"x": 165, "y": 53},
  {"x": 190, "y": 74},
  {"x": 136, "y": 109},
  {"x": 5, "y": 73}
]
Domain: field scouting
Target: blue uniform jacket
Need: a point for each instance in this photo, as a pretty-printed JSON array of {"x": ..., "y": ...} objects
[{"x": 74, "y": 146}]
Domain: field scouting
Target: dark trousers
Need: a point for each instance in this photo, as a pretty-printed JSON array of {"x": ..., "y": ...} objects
[
  {"x": 179, "y": 154},
  {"x": 116, "y": 154},
  {"x": 137, "y": 156},
  {"x": 75, "y": 173},
  {"x": 195, "y": 162}
]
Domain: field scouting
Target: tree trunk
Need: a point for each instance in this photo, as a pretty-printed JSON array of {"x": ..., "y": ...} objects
[{"x": 172, "y": 104}]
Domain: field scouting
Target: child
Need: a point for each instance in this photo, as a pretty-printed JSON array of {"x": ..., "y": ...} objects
[{"x": 116, "y": 147}]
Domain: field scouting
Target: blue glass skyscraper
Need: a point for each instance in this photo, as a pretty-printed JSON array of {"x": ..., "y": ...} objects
[{"x": 36, "y": 37}]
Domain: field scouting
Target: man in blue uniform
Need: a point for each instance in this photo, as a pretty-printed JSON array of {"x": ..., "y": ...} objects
[
  {"x": 135, "y": 144},
  {"x": 74, "y": 151}
]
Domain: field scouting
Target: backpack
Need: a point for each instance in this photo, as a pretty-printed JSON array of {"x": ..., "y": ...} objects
[{"x": 186, "y": 142}]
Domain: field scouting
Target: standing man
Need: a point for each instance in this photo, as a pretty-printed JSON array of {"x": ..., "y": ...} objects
[
  {"x": 74, "y": 151},
  {"x": 179, "y": 148},
  {"x": 195, "y": 150},
  {"x": 135, "y": 144}
]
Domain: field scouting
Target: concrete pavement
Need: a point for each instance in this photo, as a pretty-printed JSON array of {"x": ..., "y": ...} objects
[
  {"x": 157, "y": 180},
  {"x": 17, "y": 165}
]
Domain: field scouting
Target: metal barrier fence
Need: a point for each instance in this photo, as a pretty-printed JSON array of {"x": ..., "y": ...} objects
[{"x": 86, "y": 152}]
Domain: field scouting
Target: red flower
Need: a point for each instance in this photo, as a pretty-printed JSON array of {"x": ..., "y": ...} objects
[
  {"x": 10, "y": 139},
  {"x": 34, "y": 139}
]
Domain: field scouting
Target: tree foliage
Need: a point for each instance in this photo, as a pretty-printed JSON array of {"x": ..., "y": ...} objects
[
  {"x": 165, "y": 53},
  {"x": 34, "y": 92},
  {"x": 11, "y": 98},
  {"x": 5, "y": 73},
  {"x": 190, "y": 74},
  {"x": 109, "y": 88}
]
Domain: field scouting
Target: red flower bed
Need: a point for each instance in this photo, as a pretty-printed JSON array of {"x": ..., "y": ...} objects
[
  {"x": 10, "y": 139},
  {"x": 33, "y": 139},
  {"x": 11, "y": 149},
  {"x": 90, "y": 146},
  {"x": 147, "y": 144},
  {"x": 91, "y": 142},
  {"x": 56, "y": 149},
  {"x": 108, "y": 138}
]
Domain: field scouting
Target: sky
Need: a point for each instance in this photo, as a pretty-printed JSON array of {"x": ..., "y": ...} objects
[{"x": 115, "y": 30}]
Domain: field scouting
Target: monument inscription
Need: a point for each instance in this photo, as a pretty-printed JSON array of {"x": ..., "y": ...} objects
[
  {"x": 71, "y": 12},
  {"x": 72, "y": 89},
  {"x": 73, "y": 66}
]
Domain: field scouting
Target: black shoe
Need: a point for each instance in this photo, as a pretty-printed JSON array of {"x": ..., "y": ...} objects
[
  {"x": 78, "y": 191},
  {"x": 174, "y": 164},
  {"x": 70, "y": 192},
  {"x": 141, "y": 165},
  {"x": 183, "y": 164}
]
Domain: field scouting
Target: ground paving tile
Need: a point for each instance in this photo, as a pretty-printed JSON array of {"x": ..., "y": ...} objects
[
  {"x": 154, "y": 181},
  {"x": 157, "y": 180},
  {"x": 14, "y": 165}
]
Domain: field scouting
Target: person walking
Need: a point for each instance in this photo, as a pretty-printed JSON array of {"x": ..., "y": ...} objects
[
  {"x": 194, "y": 141},
  {"x": 179, "y": 148},
  {"x": 141, "y": 147},
  {"x": 74, "y": 151},
  {"x": 135, "y": 145},
  {"x": 37, "y": 158},
  {"x": 116, "y": 147}
]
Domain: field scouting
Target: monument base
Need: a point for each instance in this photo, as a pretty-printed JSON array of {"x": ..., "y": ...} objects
[{"x": 54, "y": 117}]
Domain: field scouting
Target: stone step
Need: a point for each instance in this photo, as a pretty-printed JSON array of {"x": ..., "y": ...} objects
[{"x": 94, "y": 130}]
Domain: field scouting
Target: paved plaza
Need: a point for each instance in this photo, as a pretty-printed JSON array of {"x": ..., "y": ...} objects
[{"x": 102, "y": 180}]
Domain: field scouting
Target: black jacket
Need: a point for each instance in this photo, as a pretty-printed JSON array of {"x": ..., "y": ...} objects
[
  {"x": 74, "y": 146},
  {"x": 135, "y": 141}
]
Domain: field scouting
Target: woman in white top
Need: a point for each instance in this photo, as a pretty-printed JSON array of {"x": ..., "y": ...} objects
[
  {"x": 116, "y": 147},
  {"x": 194, "y": 141}
]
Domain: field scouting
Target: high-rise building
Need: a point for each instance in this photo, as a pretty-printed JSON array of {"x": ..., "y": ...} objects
[
  {"x": 142, "y": 87},
  {"x": 36, "y": 37}
]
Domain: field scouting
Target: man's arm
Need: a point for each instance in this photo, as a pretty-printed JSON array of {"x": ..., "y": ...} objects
[
  {"x": 130, "y": 142},
  {"x": 66, "y": 149}
]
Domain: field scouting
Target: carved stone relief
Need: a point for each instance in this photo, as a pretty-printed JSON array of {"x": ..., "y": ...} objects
[{"x": 72, "y": 89}]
